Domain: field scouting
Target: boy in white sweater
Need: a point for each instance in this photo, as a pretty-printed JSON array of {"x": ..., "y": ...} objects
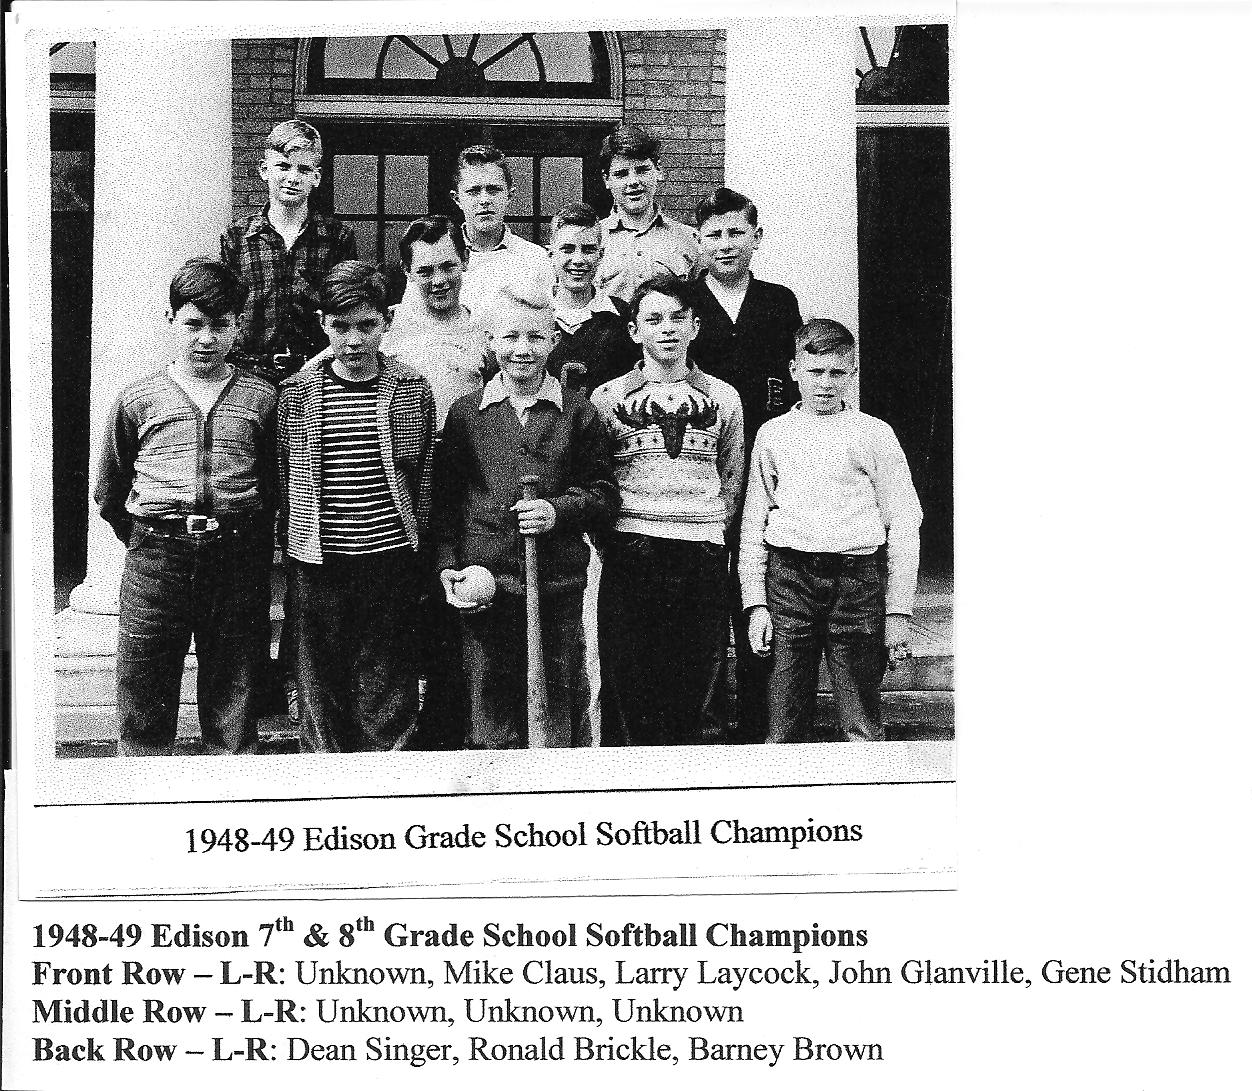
[{"x": 827, "y": 487}]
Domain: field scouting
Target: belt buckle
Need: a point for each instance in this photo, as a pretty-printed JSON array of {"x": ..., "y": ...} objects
[{"x": 199, "y": 525}]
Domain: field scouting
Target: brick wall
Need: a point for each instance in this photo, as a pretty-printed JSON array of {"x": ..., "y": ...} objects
[
  {"x": 264, "y": 73},
  {"x": 674, "y": 83},
  {"x": 675, "y": 86}
]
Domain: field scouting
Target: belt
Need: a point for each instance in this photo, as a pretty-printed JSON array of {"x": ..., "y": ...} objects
[{"x": 198, "y": 526}]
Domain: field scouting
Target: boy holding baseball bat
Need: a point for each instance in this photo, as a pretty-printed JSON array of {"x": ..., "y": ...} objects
[{"x": 523, "y": 425}]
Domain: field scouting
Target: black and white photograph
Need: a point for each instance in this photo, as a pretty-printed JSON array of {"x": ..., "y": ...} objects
[{"x": 671, "y": 579}]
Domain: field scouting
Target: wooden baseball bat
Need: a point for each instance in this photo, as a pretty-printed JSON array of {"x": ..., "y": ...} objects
[{"x": 538, "y": 734}]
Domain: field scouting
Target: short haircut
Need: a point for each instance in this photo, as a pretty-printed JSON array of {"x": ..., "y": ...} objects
[
  {"x": 820, "y": 336},
  {"x": 723, "y": 201},
  {"x": 482, "y": 155},
  {"x": 289, "y": 136},
  {"x": 576, "y": 215},
  {"x": 682, "y": 291},
  {"x": 530, "y": 292},
  {"x": 430, "y": 229},
  {"x": 352, "y": 284},
  {"x": 630, "y": 142},
  {"x": 210, "y": 285}
]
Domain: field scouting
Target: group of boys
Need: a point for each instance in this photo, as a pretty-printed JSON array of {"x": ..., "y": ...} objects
[{"x": 625, "y": 370}]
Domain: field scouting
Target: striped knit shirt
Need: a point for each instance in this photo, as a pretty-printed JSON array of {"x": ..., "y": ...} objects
[{"x": 358, "y": 514}]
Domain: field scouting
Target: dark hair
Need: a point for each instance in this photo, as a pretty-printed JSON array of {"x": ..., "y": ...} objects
[
  {"x": 481, "y": 155},
  {"x": 577, "y": 214},
  {"x": 722, "y": 201},
  {"x": 430, "y": 229},
  {"x": 683, "y": 291},
  {"x": 352, "y": 284},
  {"x": 822, "y": 335},
  {"x": 630, "y": 142},
  {"x": 210, "y": 285}
]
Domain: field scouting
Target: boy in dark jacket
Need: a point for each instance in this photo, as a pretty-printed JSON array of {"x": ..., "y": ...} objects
[{"x": 522, "y": 424}]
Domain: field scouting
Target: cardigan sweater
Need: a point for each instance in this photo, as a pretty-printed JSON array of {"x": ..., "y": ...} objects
[
  {"x": 484, "y": 454},
  {"x": 406, "y": 431}
]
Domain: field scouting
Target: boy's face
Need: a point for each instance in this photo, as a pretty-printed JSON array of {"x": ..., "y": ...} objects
[
  {"x": 483, "y": 197},
  {"x": 633, "y": 184},
  {"x": 576, "y": 254},
  {"x": 825, "y": 381},
  {"x": 291, "y": 176},
  {"x": 436, "y": 269},
  {"x": 664, "y": 328},
  {"x": 728, "y": 242},
  {"x": 202, "y": 342},
  {"x": 355, "y": 335},
  {"x": 522, "y": 340}
]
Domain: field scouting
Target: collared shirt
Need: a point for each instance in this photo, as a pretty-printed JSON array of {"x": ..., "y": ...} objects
[
  {"x": 549, "y": 391},
  {"x": 678, "y": 453},
  {"x": 632, "y": 256},
  {"x": 830, "y": 483},
  {"x": 163, "y": 458},
  {"x": 280, "y": 312},
  {"x": 570, "y": 319}
]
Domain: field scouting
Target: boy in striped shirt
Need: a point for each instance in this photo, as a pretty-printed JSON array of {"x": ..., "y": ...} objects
[{"x": 356, "y": 435}]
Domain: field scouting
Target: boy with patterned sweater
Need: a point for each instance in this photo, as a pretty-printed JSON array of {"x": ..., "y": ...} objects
[
  {"x": 356, "y": 434},
  {"x": 827, "y": 487},
  {"x": 678, "y": 438}
]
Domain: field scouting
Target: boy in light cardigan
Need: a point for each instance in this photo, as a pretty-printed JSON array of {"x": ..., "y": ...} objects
[{"x": 828, "y": 486}]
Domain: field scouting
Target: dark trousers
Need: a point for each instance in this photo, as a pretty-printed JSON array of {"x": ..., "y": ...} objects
[
  {"x": 444, "y": 718},
  {"x": 751, "y": 671},
  {"x": 356, "y": 650},
  {"x": 832, "y": 603},
  {"x": 214, "y": 588},
  {"x": 494, "y": 644},
  {"x": 662, "y": 616}
]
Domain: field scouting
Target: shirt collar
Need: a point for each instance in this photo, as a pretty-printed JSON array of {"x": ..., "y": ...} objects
[
  {"x": 314, "y": 222},
  {"x": 613, "y": 221},
  {"x": 572, "y": 317},
  {"x": 635, "y": 379},
  {"x": 504, "y": 244},
  {"x": 549, "y": 391}
]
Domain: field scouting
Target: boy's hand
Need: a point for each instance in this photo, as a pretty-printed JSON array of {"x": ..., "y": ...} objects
[
  {"x": 450, "y": 577},
  {"x": 535, "y": 516},
  {"x": 896, "y": 637},
  {"x": 760, "y": 631}
]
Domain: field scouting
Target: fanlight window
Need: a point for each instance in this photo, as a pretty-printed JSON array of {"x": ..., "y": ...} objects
[
  {"x": 554, "y": 65},
  {"x": 902, "y": 66}
]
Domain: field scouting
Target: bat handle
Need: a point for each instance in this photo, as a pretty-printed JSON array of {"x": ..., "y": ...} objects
[{"x": 538, "y": 732}]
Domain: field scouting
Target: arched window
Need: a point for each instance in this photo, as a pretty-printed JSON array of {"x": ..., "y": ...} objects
[{"x": 568, "y": 65}]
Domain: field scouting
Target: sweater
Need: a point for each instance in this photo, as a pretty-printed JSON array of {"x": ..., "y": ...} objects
[
  {"x": 485, "y": 453},
  {"x": 678, "y": 453},
  {"x": 836, "y": 483}
]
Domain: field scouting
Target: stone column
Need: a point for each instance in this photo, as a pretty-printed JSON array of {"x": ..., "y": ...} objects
[
  {"x": 162, "y": 195},
  {"x": 791, "y": 146}
]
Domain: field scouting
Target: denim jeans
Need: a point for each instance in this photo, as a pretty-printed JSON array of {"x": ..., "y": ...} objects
[
  {"x": 494, "y": 645},
  {"x": 357, "y": 656},
  {"x": 662, "y": 617},
  {"x": 832, "y": 603},
  {"x": 215, "y": 588}
]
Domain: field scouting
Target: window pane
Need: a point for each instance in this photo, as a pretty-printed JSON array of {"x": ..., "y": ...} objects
[
  {"x": 403, "y": 64},
  {"x": 366, "y": 239},
  {"x": 405, "y": 183},
  {"x": 71, "y": 181},
  {"x": 517, "y": 64},
  {"x": 524, "y": 229},
  {"x": 560, "y": 182},
  {"x": 523, "y": 203},
  {"x": 566, "y": 57},
  {"x": 352, "y": 58},
  {"x": 356, "y": 184},
  {"x": 391, "y": 241},
  {"x": 73, "y": 58}
]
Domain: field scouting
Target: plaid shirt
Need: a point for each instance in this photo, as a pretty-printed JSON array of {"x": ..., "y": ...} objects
[
  {"x": 406, "y": 432},
  {"x": 280, "y": 313}
]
